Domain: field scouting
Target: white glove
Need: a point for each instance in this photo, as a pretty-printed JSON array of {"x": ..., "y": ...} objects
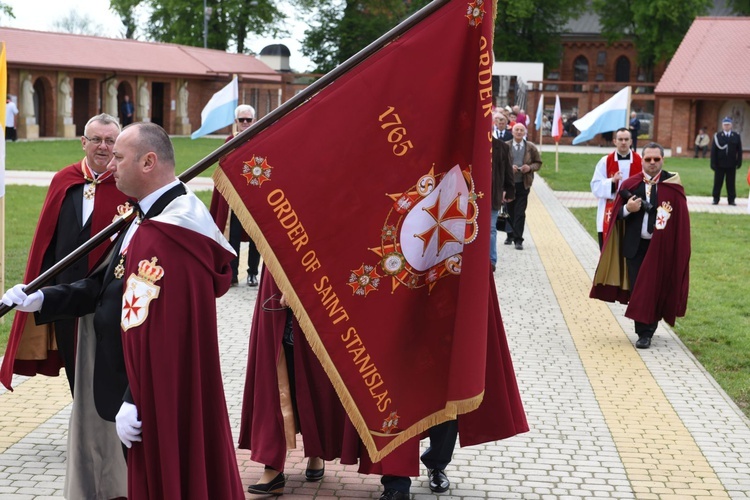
[
  {"x": 128, "y": 425},
  {"x": 25, "y": 303}
]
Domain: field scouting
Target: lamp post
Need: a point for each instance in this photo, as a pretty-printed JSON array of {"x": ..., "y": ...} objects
[{"x": 206, "y": 15}]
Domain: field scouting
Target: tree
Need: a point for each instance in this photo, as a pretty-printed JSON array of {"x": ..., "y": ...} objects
[
  {"x": 340, "y": 28},
  {"x": 529, "y": 30},
  {"x": 739, "y": 7},
  {"x": 181, "y": 21},
  {"x": 78, "y": 24},
  {"x": 656, "y": 27},
  {"x": 6, "y": 10},
  {"x": 126, "y": 10}
]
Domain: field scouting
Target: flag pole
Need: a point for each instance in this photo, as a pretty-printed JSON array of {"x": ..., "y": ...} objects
[
  {"x": 556, "y": 157},
  {"x": 240, "y": 139}
]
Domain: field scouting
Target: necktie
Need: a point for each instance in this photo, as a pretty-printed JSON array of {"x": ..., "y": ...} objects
[{"x": 651, "y": 195}]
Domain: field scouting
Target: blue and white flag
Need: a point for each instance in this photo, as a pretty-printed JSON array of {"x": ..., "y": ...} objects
[
  {"x": 219, "y": 112},
  {"x": 539, "y": 112},
  {"x": 608, "y": 116}
]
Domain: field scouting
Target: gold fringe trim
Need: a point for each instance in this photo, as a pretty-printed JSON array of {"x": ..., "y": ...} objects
[{"x": 452, "y": 408}]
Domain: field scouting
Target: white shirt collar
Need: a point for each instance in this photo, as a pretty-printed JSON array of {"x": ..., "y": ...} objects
[{"x": 148, "y": 201}]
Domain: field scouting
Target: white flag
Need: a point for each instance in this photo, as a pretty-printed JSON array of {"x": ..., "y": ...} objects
[
  {"x": 219, "y": 112},
  {"x": 608, "y": 116}
]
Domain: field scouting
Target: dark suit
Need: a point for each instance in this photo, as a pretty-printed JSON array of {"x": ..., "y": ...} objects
[
  {"x": 726, "y": 159},
  {"x": 74, "y": 233},
  {"x": 101, "y": 294},
  {"x": 634, "y": 247}
]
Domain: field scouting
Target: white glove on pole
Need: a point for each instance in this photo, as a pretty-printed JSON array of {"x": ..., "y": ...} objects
[
  {"x": 128, "y": 425},
  {"x": 25, "y": 303}
]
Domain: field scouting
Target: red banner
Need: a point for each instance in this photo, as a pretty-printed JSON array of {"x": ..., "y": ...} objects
[{"x": 370, "y": 204}]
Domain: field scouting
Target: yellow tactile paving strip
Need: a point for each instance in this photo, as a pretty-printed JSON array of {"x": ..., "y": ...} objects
[
  {"x": 660, "y": 456},
  {"x": 31, "y": 404}
]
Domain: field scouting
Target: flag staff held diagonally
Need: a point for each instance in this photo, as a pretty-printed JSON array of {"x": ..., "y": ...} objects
[{"x": 370, "y": 206}]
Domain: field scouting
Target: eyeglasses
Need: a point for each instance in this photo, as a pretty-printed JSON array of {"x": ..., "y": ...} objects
[
  {"x": 99, "y": 140},
  {"x": 652, "y": 160},
  {"x": 245, "y": 120}
]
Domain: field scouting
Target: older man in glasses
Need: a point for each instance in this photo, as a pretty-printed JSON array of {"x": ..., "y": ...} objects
[
  {"x": 82, "y": 200},
  {"x": 652, "y": 233},
  {"x": 244, "y": 116}
]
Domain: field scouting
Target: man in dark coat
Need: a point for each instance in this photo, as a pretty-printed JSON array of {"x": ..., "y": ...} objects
[
  {"x": 652, "y": 235},
  {"x": 726, "y": 159},
  {"x": 503, "y": 190}
]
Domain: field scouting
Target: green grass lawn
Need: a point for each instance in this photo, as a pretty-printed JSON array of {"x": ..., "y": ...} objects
[
  {"x": 575, "y": 171},
  {"x": 50, "y": 156},
  {"x": 717, "y": 321}
]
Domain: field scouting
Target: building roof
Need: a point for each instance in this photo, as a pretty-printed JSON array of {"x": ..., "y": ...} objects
[
  {"x": 90, "y": 53},
  {"x": 712, "y": 60}
]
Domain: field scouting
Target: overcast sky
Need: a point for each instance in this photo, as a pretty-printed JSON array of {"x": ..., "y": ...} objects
[{"x": 42, "y": 14}]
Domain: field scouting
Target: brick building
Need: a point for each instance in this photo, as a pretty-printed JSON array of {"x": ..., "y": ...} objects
[
  {"x": 60, "y": 80},
  {"x": 707, "y": 79}
]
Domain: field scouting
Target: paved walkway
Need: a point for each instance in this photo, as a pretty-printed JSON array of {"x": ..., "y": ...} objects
[{"x": 607, "y": 420}]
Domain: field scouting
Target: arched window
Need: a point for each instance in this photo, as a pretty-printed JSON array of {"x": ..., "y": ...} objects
[
  {"x": 622, "y": 69},
  {"x": 580, "y": 72}
]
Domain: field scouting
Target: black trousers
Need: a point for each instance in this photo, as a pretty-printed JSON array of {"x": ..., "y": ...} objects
[
  {"x": 719, "y": 175},
  {"x": 634, "y": 266},
  {"x": 517, "y": 214},
  {"x": 437, "y": 456},
  {"x": 235, "y": 238}
]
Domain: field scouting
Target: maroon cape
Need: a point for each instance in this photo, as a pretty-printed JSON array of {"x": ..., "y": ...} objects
[
  {"x": 326, "y": 431},
  {"x": 264, "y": 429},
  {"x": 661, "y": 290},
  {"x": 32, "y": 349},
  {"x": 172, "y": 358}
]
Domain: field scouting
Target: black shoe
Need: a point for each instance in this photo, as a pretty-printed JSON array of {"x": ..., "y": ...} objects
[
  {"x": 508, "y": 240},
  {"x": 235, "y": 281},
  {"x": 643, "y": 342},
  {"x": 519, "y": 245},
  {"x": 391, "y": 494},
  {"x": 439, "y": 482},
  {"x": 315, "y": 474},
  {"x": 492, "y": 266},
  {"x": 274, "y": 487},
  {"x": 252, "y": 280},
  {"x": 715, "y": 202},
  {"x": 732, "y": 203}
]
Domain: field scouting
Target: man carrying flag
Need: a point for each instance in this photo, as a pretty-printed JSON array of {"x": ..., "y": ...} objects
[
  {"x": 390, "y": 281},
  {"x": 609, "y": 173}
]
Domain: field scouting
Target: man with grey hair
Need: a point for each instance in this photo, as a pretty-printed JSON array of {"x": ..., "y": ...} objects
[
  {"x": 152, "y": 308},
  {"x": 82, "y": 199},
  {"x": 525, "y": 160},
  {"x": 226, "y": 219}
]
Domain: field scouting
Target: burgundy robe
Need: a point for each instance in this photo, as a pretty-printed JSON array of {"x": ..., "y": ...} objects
[
  {"x": 326, "y": 432},
  {"x": 661, "y": 290},
  {"x": 171, "y": 354},
  {"x": 32, "y": 349}
]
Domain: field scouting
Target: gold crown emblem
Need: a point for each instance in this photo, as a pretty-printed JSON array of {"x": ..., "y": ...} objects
[
  {"x": 124, "y": 208},
  {"x": 149, "y": 271},
  {"x": 666, "y": 206}
]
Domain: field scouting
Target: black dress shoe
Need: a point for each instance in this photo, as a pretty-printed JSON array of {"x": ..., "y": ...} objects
[
  {"x": 391, "y": 494},
  {"x": 252, "y": 280},
  {"x": 643, "y": 343},
  {"x": 715, "y": 202},
  {"x": 732, "y": 203},
  {"x": 519, "y": 245},
  {"x": 235, "y": 281},
  {"x": 508, "y": 240},
  {"x": 315, "y": 474},
  {"x": 439, "y": 482},
  {"x": 274, "y": 487}
]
